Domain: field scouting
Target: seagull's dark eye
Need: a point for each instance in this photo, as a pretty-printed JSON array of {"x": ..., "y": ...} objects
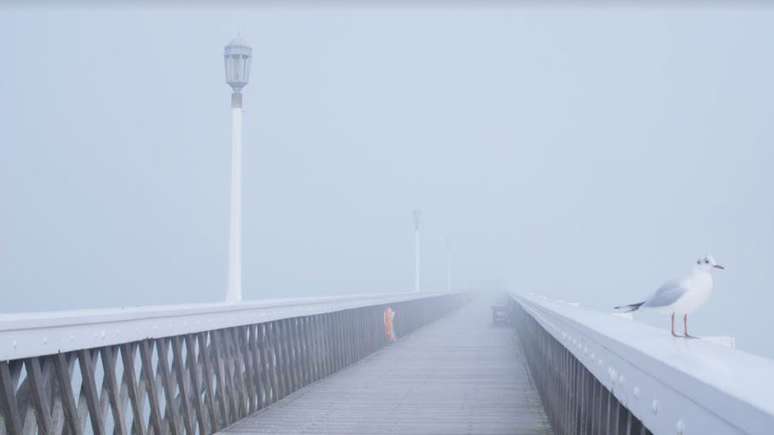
[
  {"x": 706, "y": 261},
  {"x": 698, "y": 261}
]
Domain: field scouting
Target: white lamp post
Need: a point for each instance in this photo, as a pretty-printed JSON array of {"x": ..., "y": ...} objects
[
  {"x": 237, "y": 57},
  {"x": 417, "y": 251}
]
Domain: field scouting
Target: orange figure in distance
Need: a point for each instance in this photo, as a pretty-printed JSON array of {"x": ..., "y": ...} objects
[{"x": 389, "y": 329}]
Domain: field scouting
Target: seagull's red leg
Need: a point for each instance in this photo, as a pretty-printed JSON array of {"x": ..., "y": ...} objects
[
  {"x": 685, "y": 326},
  {"x": 673, "y": 326}
]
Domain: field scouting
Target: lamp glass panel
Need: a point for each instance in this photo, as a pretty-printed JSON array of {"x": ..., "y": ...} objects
[
  {"x": 238, "y": 69},
  {"x": 229, "y": 68},
  {"x": 246, "y": 66}
]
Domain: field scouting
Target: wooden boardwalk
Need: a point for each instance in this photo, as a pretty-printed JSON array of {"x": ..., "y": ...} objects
[{"x": 458, "y": 375}]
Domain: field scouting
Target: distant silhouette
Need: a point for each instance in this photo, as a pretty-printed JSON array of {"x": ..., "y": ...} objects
[{"x": 389, "y": 326}]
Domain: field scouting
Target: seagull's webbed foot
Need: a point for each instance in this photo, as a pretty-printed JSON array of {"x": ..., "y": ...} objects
[{"x": 690, "y": 336}]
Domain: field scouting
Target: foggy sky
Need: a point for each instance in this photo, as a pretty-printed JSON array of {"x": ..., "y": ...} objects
[{"x": 585, "y": 154}]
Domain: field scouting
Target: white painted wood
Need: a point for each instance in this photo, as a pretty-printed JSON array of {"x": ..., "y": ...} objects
[
  {"x": 35, "y": 334},
  {"x": 234, "y": 290},
  {"x": 663, "y": 380}
]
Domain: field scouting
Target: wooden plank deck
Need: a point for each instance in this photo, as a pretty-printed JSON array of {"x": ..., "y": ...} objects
[{"x": 458, "y": 375}]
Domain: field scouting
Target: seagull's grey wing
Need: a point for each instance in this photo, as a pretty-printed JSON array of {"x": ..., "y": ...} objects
[{"x": 666, "y": 295}]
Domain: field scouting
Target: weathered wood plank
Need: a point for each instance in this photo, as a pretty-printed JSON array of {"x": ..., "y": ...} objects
[
  {"x": 172, "y": 414},
  {"x": 279, "y": 341},
  {"x": 209, "y": 374},
  {"x": 178, "y": 366},
  {"x": 149, "y": 376},
  {"x": 69, "y": 406},
  {"x": 198, "y": 388},
  {"x": 224, "y": 399},
  {"x": 130, "y": 380},
  {"x": 328, "y": 343},
  {"x": 295, "y": 353},
  {"x": 11, "y": 416},
  {"x": 272, "y": 363},
  {"x": 307, "y": 360},
  {"x": 269, "y": 386},
  {"x": 278, "y": 366},
  {"x": 234, "y": 366},
  {"x": 254, "y": 368},
  {"x": 109, "y": 355},
  {"x": 39, "y": 396},
  {"x": 244, "y": 346},
  {"x": 89, "y": 385}
]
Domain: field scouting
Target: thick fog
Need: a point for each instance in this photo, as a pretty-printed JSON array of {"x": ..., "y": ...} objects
[{"x": 585, "y": 154}]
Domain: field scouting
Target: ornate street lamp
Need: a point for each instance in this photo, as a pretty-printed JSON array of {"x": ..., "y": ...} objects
[{"x": 237, "y": 56}]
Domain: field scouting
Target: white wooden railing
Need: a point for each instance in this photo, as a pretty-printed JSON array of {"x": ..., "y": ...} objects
[
  {"x": 598, "y": 373},
  {"x": 189, "y": 369}
]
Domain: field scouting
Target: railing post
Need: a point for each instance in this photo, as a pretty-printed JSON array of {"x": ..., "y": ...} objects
[
  {"x": 260, "y": 362},
  {"x": 299, "y": 352},
  {"x": 327, "y": 344},
  {"x": 292, "y": 337},
  {"x": 254, "y": 367},
  {"x": 284, "y": 357},
  {"x": 269, "y": 363},
  {"x": 272, "y": 361},
  {"x": 305, "y": 356},
  {"x": 197, "y": 383}
]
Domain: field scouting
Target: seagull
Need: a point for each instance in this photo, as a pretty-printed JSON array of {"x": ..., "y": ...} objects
[{"x": 681, "y": 296}]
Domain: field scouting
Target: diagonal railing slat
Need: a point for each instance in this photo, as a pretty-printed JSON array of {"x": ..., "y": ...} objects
[
  {"x": 68, "y": 402},
  {"x": 109, "y": 355},
  {"x": 8, "y": 400},
  {"x": 40, "y": 395}
]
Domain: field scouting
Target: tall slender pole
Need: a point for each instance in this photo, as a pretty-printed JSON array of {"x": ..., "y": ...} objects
[
  {"x": 417, "y": 253},
  {"x": 236, "y": 56},
  {"x": 234, "y": 291}
]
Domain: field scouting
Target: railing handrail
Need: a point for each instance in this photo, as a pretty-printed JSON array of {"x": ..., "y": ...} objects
[
  {"x": 26, "y": 335},
  {"x": 671, "y": 384}
]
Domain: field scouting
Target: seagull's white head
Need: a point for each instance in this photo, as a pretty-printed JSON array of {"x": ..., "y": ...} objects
[{"x": 708, "y": 263}]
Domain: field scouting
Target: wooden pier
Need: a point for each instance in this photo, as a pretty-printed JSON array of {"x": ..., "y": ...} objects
[{"x": 458, "y": 375}]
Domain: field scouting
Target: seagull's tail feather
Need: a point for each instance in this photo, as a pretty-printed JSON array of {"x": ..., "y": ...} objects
[{"x": 629, "y": 308}]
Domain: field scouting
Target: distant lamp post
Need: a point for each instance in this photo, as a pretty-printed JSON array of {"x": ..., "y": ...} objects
[
  {"x": 237, "y": 55},
  {"x": 417, "y": 251}
]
